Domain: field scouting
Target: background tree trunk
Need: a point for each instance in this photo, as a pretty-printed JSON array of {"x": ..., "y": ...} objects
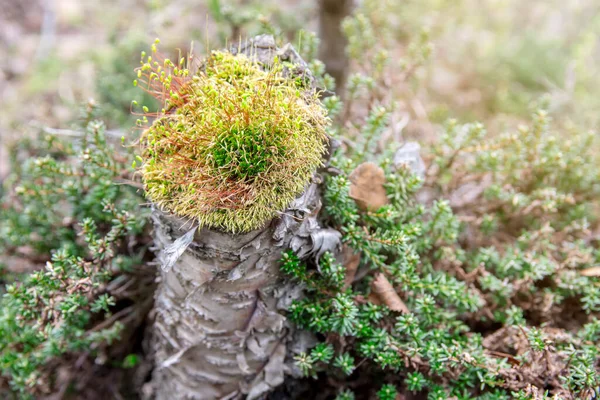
[
  {"x": 218, "y": 333},
  {"x": 332, "y": 50}
]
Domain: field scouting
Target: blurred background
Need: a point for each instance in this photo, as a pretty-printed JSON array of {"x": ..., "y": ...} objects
[{"x": 489, "y": 60}]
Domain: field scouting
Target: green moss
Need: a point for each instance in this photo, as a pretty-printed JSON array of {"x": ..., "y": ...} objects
[
  {"x": 239, "y": 144},
  {"x": 244, "y": 154}
]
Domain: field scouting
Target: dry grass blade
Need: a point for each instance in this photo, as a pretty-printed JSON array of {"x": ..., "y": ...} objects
[
  {"x": 351, "y": 261},
  {"x": 592, "y": 271}
]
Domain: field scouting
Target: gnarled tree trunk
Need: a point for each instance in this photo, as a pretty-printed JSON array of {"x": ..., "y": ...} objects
[{"x": 218, "y": 331}]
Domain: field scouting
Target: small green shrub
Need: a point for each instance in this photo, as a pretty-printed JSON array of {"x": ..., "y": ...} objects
[
  {"x": 488, "y": 254},
  {"x": 499, "y": 302},
  {"x": 63, "y": 208}
]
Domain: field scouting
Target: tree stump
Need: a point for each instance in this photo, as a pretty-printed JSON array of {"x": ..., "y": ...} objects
[{"x": 219, "y": 332}]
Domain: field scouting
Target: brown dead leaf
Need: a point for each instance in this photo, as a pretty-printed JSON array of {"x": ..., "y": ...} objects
[
  {"x": 592, "y": 271},
  {"x": 373, "y": 298},
  {"x": 351, "y": 260},
  {"x": 384, "y": 290},
  {"x": 366, "y": 186}
]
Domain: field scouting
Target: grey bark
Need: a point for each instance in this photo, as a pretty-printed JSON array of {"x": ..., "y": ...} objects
[
  {"x": 219, "y": 330},
  {"x": 332, "y": 50}
]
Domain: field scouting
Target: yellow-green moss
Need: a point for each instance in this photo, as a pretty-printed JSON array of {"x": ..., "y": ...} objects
[{"x": 233, "y": 145}]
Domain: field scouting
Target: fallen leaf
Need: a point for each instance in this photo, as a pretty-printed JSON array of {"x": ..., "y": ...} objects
[
  {"x": 366, "y": 186},
  {"x": 384, "y": 290},
  {"x": 592, "y": 271}
]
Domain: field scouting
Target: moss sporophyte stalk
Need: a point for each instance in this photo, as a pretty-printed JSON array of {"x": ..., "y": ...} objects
[{"x": 234, "y": 143}]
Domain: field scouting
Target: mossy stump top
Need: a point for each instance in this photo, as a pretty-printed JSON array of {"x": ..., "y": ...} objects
[{"x": 234, "y": 143}]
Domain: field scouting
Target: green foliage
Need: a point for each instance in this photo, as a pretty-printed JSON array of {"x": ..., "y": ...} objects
[
  {"x": 455, "y": 270},
  {"x": 345, "y": 395},
  {"x": 64, "y": 203},
  {"x": 113, "y": 85},
  {"x": 387, "y": 392},
  {"x": 237, "y": 19},
  {"x": 345, "y": 363},
  {"x": 246, "y": 153},
  {"x": 491, "y": 250},
  {"x": 241, "y": 143}
]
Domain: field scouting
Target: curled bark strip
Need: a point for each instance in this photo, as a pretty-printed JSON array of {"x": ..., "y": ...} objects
[
  {"x": 169, "y": 256},
  {"x": 410, "y": 155},
  {"x": 384, "y": 290}
]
